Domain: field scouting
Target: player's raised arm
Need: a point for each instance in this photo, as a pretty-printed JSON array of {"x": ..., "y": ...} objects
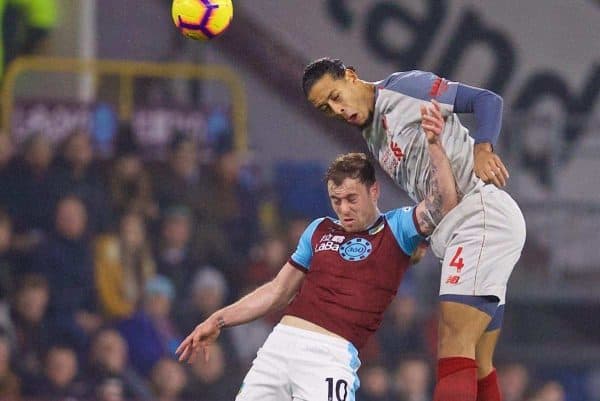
[
  {"x": 270, "y": 297},
  {"x": 443, "y": 195}
]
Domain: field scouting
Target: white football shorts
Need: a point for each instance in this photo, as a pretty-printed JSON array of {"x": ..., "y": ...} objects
[
  {"x": 479, "y": 242},
  {"x": 296, "y": 364}
]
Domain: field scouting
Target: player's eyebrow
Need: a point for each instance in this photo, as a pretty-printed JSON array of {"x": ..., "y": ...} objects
[
  {"x": 337, "y": 198},
  {"x": 348, "y": 196},
  {"x": 324, "y": 103}
]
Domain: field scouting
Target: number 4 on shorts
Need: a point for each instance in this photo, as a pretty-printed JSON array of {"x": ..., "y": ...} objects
[{"x": 457, "y": 260}]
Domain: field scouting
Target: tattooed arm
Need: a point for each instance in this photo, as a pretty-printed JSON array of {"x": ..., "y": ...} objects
[{"x": 443, "y": 195}]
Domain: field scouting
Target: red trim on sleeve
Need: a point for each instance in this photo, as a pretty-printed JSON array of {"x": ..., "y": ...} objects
[
  {"x": 416, "y": 223},
  {"x": 297, "y": 265}
]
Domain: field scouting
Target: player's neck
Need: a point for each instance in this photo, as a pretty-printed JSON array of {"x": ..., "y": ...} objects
[
  {"x": 371, "y": 222},
  {"x": 369, "y": 94}
]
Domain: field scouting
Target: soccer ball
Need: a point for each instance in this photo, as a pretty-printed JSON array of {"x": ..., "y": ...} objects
[{"x": 202, "y": 19}]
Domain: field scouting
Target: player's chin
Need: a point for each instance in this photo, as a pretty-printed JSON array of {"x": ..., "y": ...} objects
[
  {"x": 351, "y": 227},
  {"x": 365, "y": 121}
]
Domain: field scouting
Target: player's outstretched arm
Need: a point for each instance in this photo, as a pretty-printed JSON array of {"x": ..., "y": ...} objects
[
  {"x": 443, "y": 195},
  {"x": 270, "y": 297}
]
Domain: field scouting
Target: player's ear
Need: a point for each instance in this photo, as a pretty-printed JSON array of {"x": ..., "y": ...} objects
[
  {"x": 374, "y": 191},
  {"x": 350, "y": 74}
]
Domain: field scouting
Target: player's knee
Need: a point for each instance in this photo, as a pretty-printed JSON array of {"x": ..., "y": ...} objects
[
  {"x": 457, "y": 337},
  {"x": 485, "y": 358},
  {"x": 484, "y": 363}
]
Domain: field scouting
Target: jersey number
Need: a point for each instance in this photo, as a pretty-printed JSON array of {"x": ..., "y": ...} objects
[
  {"x": 341, "y": 389},
  {"x": 457, "y": 260}
]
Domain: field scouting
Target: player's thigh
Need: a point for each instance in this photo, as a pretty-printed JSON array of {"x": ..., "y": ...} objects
[
  {"x": 484, "y": 352},
  {"x": 331, "y": 382},
  {"x": 505, "y": 233},
  {"x": 266, "y": 380},
  {"x": 481, "y": 249},
  {"x": 461, "y": 325},
  {"x": 479, "y": 262},
  {"x": 263, "y": 383},
  {"x": 325, "y": 370}
]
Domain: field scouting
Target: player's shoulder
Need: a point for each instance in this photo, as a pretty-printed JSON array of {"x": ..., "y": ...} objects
[
  {"x": 417, "y": 85},
  {"x": 319, "y": 224},
  {"x": 316, "y": 223},
  {"x": 405, "y": 78},
  {"x": 399, "y": 213}
]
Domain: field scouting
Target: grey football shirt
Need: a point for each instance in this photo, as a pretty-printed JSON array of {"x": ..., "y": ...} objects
[{"x": 396, "y": 140}]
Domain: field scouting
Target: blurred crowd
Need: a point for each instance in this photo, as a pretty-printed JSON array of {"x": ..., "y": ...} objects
[{"x": 106, "y": 264}]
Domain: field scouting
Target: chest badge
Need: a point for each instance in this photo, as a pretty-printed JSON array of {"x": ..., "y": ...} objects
[{"x": 356, "y": 249}]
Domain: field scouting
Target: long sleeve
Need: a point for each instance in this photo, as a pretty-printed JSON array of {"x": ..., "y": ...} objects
[{"x": 487, "y": 108}]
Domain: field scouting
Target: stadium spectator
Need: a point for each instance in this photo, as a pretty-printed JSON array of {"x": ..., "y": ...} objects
[
  {"x": 412, "y": 380},
  {"x": 208, "y": 293},
  {"x": 185, "y": 181},
  {"x": 109, "y": 361},
  {"x": 7, "y": 258},
  {"x": 168, "y": 380},
  {"x": 110, "y": 389},
  {"x": 375, "y": 384},
  {"x": 237, "y": 197},
  {"x": 176, "y": 257},
  {"x": 60, "y": 378},
  {"x": 6, "y": 159},
  {"x": 295, "y": 226},
  {"x": 130, "y": 183},
  {"x": 10, "y": 385},
  {"x": 6, "y": 150},
  {"x": 402, "y": 330},
  {"x": 123, "y": 265},
  {"x": 150, "y": 333},
  {"x": 549, "y": 391},
  {"x": 158, "y": 299},
  {"x": 6, "y": 325},
  {"x": 514, "y": 381},
  {"x": 66, "y": 261},
  {"x": 212, "y": 380},
  {"x": 31, "y": 183},
  {"x": 75, "y": 172},
  {"x": 269, "y": 256},
  {"x": 31, "y": 326}
]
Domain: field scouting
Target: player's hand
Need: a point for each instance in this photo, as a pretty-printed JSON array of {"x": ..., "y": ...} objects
[
  {"x": 204, "y": 334},
  {"x": 488, "y": 166},
  {"x": 432, "y": 121}
]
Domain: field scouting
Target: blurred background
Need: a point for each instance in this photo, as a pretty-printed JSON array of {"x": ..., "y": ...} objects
[{"x": 147, "y": 179}]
